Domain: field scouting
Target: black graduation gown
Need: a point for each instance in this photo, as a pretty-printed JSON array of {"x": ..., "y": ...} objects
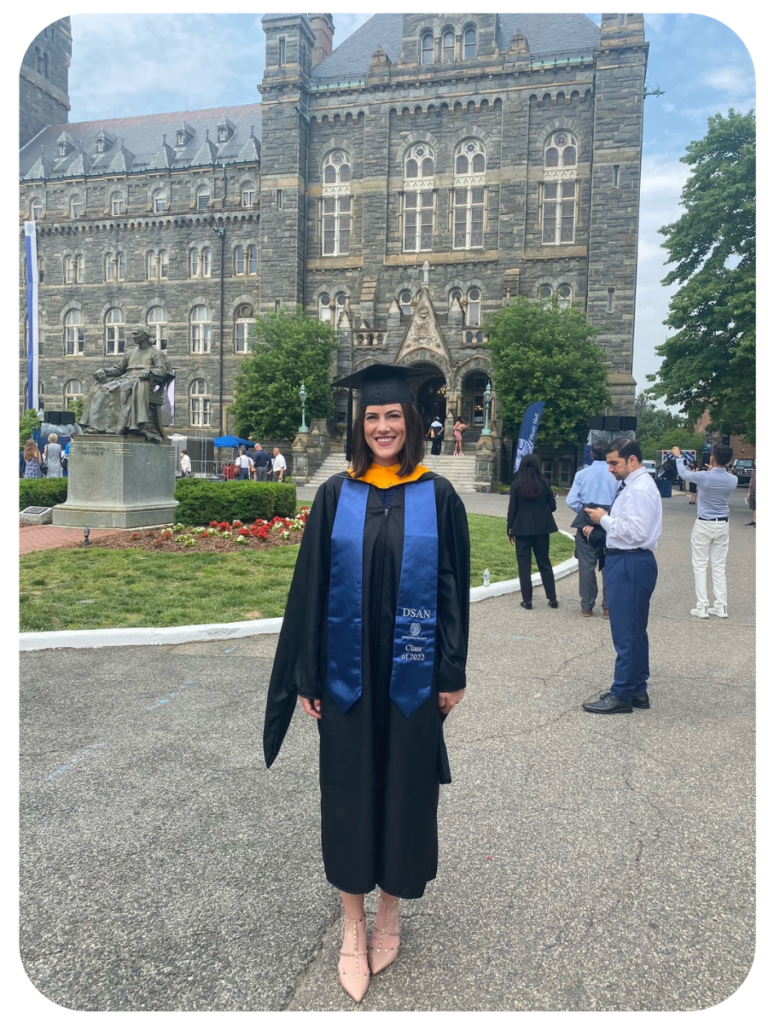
[{"x": 379, "y": 770}]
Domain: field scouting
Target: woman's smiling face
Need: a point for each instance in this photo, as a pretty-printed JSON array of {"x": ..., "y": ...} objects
[{"x": 384, "y": 428}]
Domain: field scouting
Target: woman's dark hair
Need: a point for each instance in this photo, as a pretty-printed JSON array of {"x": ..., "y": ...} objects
[
  {"x": 411, "y": 454},
  {"x": 531, "y": 481}
]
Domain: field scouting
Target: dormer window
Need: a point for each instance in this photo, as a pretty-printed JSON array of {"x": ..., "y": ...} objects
[
  {"x": 63, "y": 149},
  {"x": 181, "y": 138},
  {"x": 183, "y": 134},
  {"x": 225, "y": 130},
  {"x": 103, "y": 141}
]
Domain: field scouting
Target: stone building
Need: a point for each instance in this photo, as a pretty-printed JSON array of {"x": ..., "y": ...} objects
[{"x": 404, "y": 185}]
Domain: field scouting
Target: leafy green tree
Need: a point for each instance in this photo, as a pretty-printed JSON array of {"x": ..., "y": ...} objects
[
  {"x": 709, "y": 363},
  {"x": 683, "y": 437},
  {"x": 76, "y": 406},
  {"x": 287, "y": 349},
  {"x": 27, "y": 424},
  {"x": 653, "y": 423},
  {"x": 541, "y": 352}
]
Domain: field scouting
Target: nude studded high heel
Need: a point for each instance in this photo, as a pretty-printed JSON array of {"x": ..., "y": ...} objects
[
  {"x": 385, "y": 937},
  {"x": 355, "y": 980}
]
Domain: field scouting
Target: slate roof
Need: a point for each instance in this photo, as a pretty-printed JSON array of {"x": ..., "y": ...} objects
[
  {"x": 143, "y": 143},
  {"x": 547, "y": 34}
]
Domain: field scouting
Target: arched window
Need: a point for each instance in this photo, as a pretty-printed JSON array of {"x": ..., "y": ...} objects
[
  {"x": 253, "y": 260},
  {"x": 418, "y": 199},
  {"x": 114, "y": 332},
  {"x": 427, "y": 48},
  {"x": 70, "y": 270},
  {"x": 158, "y": 327},
  {"x": 114, "y": 266},
  {"x": 469, "y": 195},
  {"x": 76, "y": 207},
  {"x": 341, "y": 302},
  {"x": 545, "y": 292},
  {"x": 406, "y": 302},
  {"x": 248, "y": 194},
  {"x": 118, "y": 204},
  {"x": 324, "y": 307},
  {"x": 564, "y": 296},
  {"x": 470, "y": 43},
  {"x": 456, "y": 294},
  {"x": 558, "y": 193},
  {"x": 244, "y": 320},
  {"x": 74, "y": 334},
  {"x": 561, "y": 150},
  {"x": 448, "y": 54},
  {"x": 39, "y": 62},
  {"x": 239, "y": 260},
  {"x": 337, "y": 204},
  {"x": 203, "y": 198},
  {"x": 199, "y": 404},
  {"x": 79, "y": 269},
  {"x": 200, "y": 262},
  {"x": 73, "y": 390},
  {"x": 36, "y": 208},
  {"x": 157, "y": 265},
  {"x": 200, "y": 330},
  {"x": 160, "y": 201},
  {"x": 473, "y": 307}
]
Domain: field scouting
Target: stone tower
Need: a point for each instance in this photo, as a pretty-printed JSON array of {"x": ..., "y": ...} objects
[
  {"x": 44, "y": 80},
  {"x": 620, "y": 64},
  {"x": 284, "y": 141}
]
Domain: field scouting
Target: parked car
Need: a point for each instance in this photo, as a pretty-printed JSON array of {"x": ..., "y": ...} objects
[
  {"x": 742, "y": 469},
  {"x": 650, "y": 465}
]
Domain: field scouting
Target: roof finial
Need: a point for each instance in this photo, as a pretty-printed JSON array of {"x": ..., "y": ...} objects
[
  {"x": 163, "y": 138},
  {"x": 251, "y": 131}
]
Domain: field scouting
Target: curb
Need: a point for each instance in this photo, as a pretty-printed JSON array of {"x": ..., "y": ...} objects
[{"x": 171, "y": 635}]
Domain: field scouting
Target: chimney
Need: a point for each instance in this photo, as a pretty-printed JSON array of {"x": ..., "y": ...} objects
[{"x": 322, "y": 26}]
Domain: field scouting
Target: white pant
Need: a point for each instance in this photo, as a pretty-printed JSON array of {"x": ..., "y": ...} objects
[{"x": 709, "y": 543}]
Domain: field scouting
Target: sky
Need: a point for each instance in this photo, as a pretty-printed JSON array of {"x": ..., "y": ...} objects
[{"x": 173, "y": 62}]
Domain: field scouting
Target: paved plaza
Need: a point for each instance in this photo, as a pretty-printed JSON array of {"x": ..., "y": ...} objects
[{"x": 586, "y": 862}]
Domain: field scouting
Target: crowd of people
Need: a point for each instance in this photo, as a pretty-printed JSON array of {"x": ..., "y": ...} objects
[{"x": 258, "y": 465}]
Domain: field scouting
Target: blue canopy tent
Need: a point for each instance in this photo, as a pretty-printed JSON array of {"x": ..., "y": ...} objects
[{"x": 230, "y": 441}]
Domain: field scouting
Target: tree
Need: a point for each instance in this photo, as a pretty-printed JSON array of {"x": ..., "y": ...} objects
[
  {"x": 653, "y": 423},
  {"x": 27, "y": 424},
  {"x": 709, "y": 363},
  {"x": 542, "y": 352},
  {"x": 288, "y": 349},
  {"x": 76, "y": 406}
]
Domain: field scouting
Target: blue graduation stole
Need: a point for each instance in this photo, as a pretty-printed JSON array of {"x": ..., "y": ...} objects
[{"x": 416, "y": 623}]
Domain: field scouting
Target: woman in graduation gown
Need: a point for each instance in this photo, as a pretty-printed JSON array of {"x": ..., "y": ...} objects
[{"x": 374, "y": 643}]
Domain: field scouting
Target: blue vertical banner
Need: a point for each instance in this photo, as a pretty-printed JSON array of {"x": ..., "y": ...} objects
[
  {"x": 528, "y": 430},
  {"x": 33, "y": 336}
]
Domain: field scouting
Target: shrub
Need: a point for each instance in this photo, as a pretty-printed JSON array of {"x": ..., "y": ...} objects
[
  {"x": 203, "y": 501},
  {"x": 42, "y": 492}
]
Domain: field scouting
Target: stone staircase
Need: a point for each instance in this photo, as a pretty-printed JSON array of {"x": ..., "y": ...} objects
[{"x": 460, "y": 470}]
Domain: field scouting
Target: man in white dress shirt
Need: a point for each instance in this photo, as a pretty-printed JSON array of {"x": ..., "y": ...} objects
[
  {"x": 709, "y": 540},
  {"x": 632, "y": 528}
]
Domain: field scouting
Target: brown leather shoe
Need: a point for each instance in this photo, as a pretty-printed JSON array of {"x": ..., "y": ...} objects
[
  {"x": 586, "y": 613},
  {"x": 606, "y": 613}
]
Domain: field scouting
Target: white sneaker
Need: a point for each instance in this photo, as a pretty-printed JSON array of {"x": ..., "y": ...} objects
[
  {"x": 721, "y": 613},
  {"x": 700, "y": 613}
]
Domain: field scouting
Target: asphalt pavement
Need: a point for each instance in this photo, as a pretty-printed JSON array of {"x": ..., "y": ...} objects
[{"x": 586, "y": 862}]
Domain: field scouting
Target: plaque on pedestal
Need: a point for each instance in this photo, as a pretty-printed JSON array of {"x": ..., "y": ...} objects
[{"x": 119, "y": 481}]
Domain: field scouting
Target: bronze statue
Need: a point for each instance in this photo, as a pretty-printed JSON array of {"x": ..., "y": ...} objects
[{"x": 127, "y": 397}]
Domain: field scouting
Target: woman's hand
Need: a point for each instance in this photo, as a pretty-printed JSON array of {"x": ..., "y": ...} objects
[
  {"x": 447, "y": 701},
  {"x": 312, "y": 707}
]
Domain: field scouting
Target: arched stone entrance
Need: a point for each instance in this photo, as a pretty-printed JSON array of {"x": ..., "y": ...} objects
[{"x": 430, "y": 388}]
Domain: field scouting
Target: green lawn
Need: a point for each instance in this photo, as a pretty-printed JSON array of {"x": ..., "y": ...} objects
[{"x": 178, "y": 588}]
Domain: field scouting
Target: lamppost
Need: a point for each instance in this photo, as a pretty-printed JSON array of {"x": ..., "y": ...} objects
[
  {"x": 486, "y": 431},
  {"x": 303, "y": 429}
]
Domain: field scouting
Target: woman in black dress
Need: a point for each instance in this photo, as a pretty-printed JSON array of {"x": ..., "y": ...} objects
[
  {"x": 529, "y": 524},
  {"x": 377, "y": 662}
]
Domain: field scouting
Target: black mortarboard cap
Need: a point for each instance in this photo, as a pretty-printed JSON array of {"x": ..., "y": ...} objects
[{"x": 379, "y": 385}]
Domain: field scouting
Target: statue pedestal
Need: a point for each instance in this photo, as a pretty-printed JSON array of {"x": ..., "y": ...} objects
[{"x": 118, "y": 481}]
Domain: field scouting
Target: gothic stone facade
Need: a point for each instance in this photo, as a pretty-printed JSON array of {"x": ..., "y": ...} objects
[{"x": 405, "y": 185}]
